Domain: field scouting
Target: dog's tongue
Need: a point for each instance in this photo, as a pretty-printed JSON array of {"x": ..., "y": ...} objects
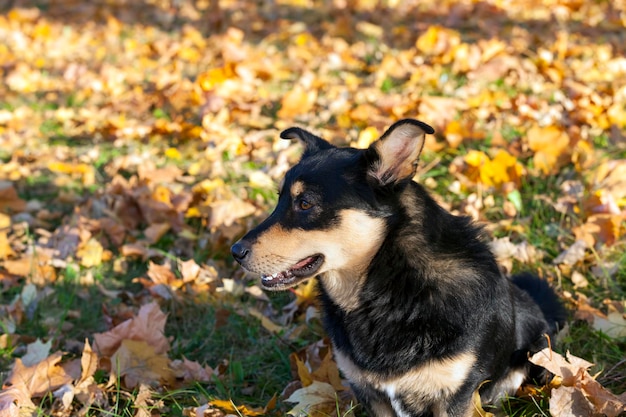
[{"x": 303, "y": 262}]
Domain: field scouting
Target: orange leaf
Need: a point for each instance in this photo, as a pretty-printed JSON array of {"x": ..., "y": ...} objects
[
  {"x": 550, "y": 145},
  {"x": 5, "y": 247},
  {"x": 296, "y": 102}
]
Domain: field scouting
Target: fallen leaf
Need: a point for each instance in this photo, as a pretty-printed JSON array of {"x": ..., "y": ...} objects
[
  {"x": 573, "y": 254},
  {"x": 36, "y": 352},
  {"x": 316, "y": 399},
  {"x": 39, "y": 379},
  {"x": 90, "y": 253},
  {"x": 10, "y": 202},
  {"x": 147, "y": 326},
  {"x": 550, "y": 145},
  {"x": 241, "y": 410},
  {"x": 137, "y": 362},
  {"x": 579, "y": 391}
]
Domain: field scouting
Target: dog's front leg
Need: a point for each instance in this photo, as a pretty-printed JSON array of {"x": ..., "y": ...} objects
[{"x": 375, "y": 402}]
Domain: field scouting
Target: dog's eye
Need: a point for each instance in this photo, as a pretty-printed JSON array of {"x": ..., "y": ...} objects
[{"x": 304, "y": 205}]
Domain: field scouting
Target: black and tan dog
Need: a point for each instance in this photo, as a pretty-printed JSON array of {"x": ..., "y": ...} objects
[{"x": 416, "y": 307}]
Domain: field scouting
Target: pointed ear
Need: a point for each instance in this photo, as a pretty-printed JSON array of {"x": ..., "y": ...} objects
[
  {"x": 394, "y": 156},
  {"x": 312, "y": 143}
]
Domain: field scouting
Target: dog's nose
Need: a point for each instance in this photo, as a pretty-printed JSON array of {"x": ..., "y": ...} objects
[{"x": 240, "y": 251}]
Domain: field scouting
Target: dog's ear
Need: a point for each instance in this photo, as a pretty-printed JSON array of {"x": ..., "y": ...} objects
[
  {"x": 394, "y": 156},
  {"x": 312, "y": 143}
]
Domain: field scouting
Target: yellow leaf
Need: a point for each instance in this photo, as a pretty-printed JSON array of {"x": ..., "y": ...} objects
[
  {"x": 366, "y": 137},
  {"x": 229, "y": 406},
  {"x": 137, "y": 362},
  {"x": 173, "y": 153},
  {"x": 439, "y": 41},
  {"x": 303, "y": 372},
  {"x": 455, "y": 133},
  {"x": 91, "y": 253},
  {"x": 83, "y": 171},
  {"x": 503, "y": 168}
]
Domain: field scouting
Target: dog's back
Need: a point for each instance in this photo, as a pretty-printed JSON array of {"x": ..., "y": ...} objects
[{"x": 414, "y": 302}]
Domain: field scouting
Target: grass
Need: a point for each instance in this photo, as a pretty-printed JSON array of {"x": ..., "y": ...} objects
[{"x": 216, "y": 328}]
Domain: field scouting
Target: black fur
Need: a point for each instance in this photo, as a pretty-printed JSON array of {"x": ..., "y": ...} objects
[{"x": 432, "y": 290}]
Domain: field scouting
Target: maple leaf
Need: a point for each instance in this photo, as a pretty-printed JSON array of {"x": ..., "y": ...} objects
[
  {"x": 137, "y": 362},
  {"x": 26, "y": 382},
  {"x": 317, "y": 399},
  {"x": 579, "y": 392},
  {"x": 147, "y": 326}
]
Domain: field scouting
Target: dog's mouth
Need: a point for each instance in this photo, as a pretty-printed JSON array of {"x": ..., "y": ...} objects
[{"x": 305, "y": 268}]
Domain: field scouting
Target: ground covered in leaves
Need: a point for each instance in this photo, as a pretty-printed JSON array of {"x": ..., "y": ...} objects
[{"x": 139, "y": 139}]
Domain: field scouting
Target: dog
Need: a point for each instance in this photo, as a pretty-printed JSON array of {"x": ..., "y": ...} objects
[{"x": 417, "y": 309}]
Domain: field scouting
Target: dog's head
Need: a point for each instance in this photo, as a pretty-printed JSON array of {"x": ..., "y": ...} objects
[{"x": 331, "y": 212}]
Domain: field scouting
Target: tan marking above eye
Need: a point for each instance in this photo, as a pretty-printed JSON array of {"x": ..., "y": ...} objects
[{"x": 297, "y": 188}]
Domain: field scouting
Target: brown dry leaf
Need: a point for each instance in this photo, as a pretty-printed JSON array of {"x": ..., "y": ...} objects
[
  {"x": 35, "y": 267},
  {"x": 147, "y": 326},
  {"x": 191, "y": 371},
  {"x": 315, "y": 400},
  {"x": 224, "y": 213},
  {"x": 577, "y": 385},
  {"x": 569, "y": 402},
  {"x": 143, "y": 400},
  {"x": 15, "y": 402},
  {"x": 573, "y": 254},
  {"x": 507, "y": 251},
  {"x": 38, "y": 379},
  {"x": 88, "y": 362},
  {"x": 161, "y": 274},
  {"x": 613, "y": 324},
  {"x": 85, "y": 389},
  {"x": 114, "y": 230},
  {"x": 156, "y": 231},
  {"x": 136, "y": 361},
  {"x": 10, "y": 202}
]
